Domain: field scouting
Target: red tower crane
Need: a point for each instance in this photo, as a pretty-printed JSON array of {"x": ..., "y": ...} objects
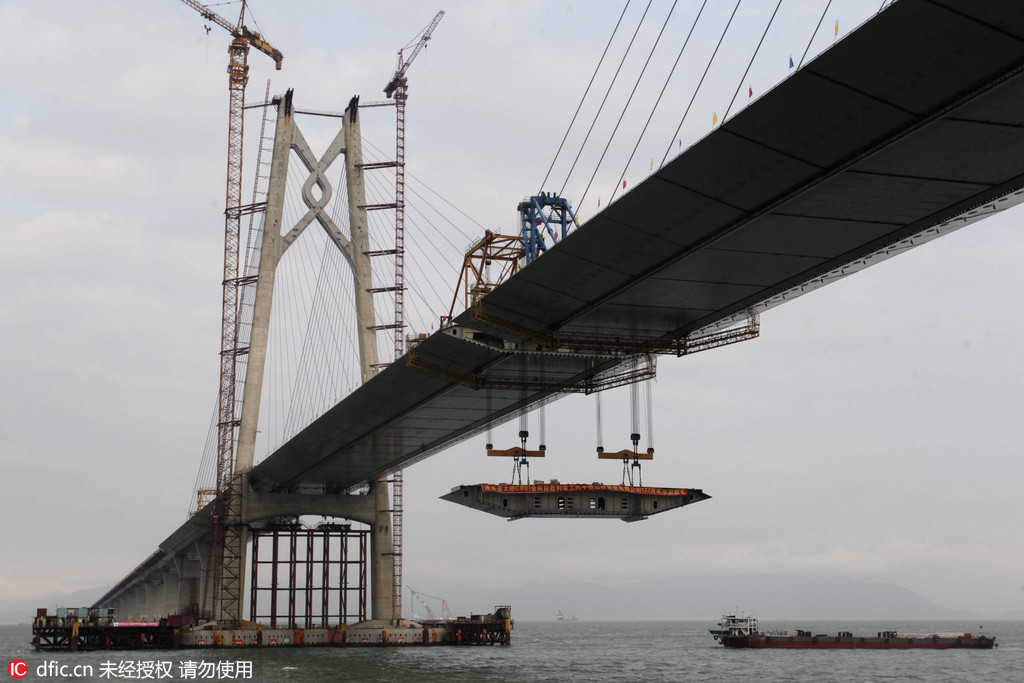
[{"x": 446, "y": 612}]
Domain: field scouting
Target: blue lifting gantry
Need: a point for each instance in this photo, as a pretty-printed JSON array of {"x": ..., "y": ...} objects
[{"x": 557, "y": 222}]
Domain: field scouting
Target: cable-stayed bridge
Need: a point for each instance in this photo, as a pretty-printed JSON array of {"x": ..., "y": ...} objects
[{"x": 906, "y": 130}]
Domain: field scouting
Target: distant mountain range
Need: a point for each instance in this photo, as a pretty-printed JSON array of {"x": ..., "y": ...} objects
[
  {"x": 766, "y": 596},
  {"x": 705, "y": 597}
]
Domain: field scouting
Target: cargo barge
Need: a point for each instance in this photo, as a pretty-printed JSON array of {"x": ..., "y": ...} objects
[
  {"x": 736, "y": 631},
  {"x": 74, "y": 629}
]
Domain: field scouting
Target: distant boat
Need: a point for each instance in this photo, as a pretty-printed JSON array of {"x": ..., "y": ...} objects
[
  {"x": 742, "y": 631},
  {"x": 566, "y": 617}
]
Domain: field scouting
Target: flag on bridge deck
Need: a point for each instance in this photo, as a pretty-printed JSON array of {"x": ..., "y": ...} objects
[
  {"x": 714, "y": 119},
  {"x": 750, "y": 92},
  {"x": 623, "y": 184},
  {"x": 791, "y": 61},
  {"x": 652, "y": 164},
  {"x": 680, "y": 144},
  {"x": 837, "y": 27},
  {"x": 599, "y": 202}
]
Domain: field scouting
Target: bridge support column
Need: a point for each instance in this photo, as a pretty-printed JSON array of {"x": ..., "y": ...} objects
[
  {"x": 151, "y": 606},
  {"x": 190, "y": 579},
  {"x": 167, "y": 602},
  {"x": 382, "y": 555}
]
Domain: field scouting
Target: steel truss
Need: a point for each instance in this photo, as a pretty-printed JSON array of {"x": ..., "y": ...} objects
[
  {"x": 542, "y": 383},
  {"x": 598, "y": 344}
]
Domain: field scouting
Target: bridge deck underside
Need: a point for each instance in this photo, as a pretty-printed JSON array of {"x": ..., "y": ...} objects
[{"x": 912, "y": 120}]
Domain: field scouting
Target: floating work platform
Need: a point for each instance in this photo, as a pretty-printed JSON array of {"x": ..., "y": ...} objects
[
  {"x": 85, "y": 628},
  {"x": 557, "y": 500},
  {"x": 74, "y": 632}
]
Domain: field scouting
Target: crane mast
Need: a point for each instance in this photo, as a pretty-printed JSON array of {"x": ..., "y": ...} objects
[
  {"x": 229, "y": 538},
  {"x": 398, "y": 88}
]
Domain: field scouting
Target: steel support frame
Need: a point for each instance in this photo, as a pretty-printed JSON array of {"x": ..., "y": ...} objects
[
  {"x": 534, "y": 223},
  {"x": 338, "y": 570},
  {"x": 475, "y": 280},
  {"x": 612, "y": 345}
]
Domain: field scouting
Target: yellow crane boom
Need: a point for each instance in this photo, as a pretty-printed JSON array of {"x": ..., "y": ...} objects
[{"x": 239, "y": 30}]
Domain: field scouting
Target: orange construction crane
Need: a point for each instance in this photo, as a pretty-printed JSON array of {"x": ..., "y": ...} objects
[{"x": 229, "y": 537}]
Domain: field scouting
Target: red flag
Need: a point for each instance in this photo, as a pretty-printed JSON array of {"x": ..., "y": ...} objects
[
  {"x": 751, "y": 93},
  {"x": 623, "y": 184}
]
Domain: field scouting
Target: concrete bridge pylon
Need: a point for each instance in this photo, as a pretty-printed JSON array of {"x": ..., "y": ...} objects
[{"x": 277, "y": 238}]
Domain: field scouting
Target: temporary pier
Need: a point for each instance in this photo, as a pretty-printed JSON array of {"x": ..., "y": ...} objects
[{"x": 87, "y": 629}]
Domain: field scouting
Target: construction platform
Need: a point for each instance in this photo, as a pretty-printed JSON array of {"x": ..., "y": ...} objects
[
  {"x": 84, "y": 629},
  {"x": 557, "y": 500}
]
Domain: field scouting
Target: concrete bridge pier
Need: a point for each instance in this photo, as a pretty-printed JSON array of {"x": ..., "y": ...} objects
[{"x": 382, "y": 556}]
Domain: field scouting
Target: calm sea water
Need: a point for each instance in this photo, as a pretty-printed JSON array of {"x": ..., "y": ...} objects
[{"x": 589, "y": 651}]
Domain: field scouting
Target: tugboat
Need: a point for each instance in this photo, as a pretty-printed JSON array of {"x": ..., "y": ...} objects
[{"x": 742, "y": 631}]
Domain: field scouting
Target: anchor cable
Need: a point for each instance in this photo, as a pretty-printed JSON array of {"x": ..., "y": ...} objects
[
  {"x": 629, "y": 100},
  {"x": 658, "y": 101},
  {"x": 583, "y": 99},
  {"x": 814, "y": 33},
  {"x": 751, "y": 62},
  {"x": 601, "y": 107},
  {"x": 701, "y": 82}
]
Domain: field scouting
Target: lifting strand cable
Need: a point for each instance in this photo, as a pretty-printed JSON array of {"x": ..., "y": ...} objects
[
  {"x": 816, "y": 29},
  {"x": 540, "y": 416},
  {"x": 634, "y": 406},
  {"x": 658, "y": 101},
  {"x": 524, "y": 425},
  {"x": 606, "y": 94},
  {"x": 634, "y": 410},
  {"x": 628, "y": 102},
  {"x": 700, "y": 83},
  {"x": 583, "y": 99},
  {"x": 490, "y": 424},
  {"x": 649, "y": 390},
  {"x": 751, "y": 62},
  {"x": 600, "y": 426}
]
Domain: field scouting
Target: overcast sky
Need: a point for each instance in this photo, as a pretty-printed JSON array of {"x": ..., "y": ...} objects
[{"x": 872, "y": 432}]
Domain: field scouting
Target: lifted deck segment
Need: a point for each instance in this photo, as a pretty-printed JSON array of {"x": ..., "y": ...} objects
[{"x": 628, "y": 503}]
